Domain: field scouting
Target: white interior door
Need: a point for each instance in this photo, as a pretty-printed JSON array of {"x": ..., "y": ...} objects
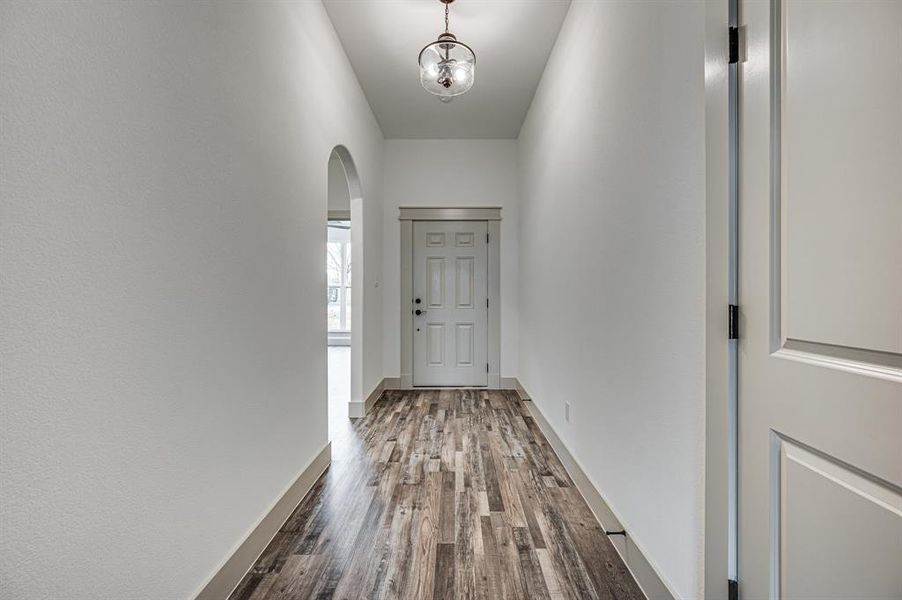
[
  {"x": 450, "y": 288},
  {"x": 820, "y": 288}
]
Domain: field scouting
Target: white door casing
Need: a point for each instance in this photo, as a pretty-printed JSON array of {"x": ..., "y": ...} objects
[
  {"x": 820, "y": 288},
  {"x": 450, "y": 260}
]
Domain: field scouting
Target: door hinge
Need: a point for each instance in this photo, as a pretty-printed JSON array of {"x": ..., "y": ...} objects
[
  {"x": 732, "y": 589},
  {"x": 486, "y": 302},
  {"x": 733, "y": 326},
  {"x": 486, "y": 367},
  {"x": 734, "y": 45},
  {"x": 486, "y": 238}
]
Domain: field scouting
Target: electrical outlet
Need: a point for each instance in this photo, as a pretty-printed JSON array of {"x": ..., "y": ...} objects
[{"x": 567, "y": 411}]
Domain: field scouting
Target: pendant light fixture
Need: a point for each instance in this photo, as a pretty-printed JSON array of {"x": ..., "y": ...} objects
[{"x": 447, "y": 66}]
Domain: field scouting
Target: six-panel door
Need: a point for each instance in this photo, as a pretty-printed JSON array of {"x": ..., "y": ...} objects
[{"x": 450, "y": 287}]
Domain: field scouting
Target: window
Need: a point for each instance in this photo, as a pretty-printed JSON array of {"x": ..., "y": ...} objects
[{"x": 338, "y": 276}]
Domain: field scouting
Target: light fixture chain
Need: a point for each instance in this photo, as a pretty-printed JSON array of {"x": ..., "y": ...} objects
[{"x": 446, "y": 17}]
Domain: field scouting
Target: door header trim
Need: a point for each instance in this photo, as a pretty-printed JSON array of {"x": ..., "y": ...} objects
[{"x": 461, "y": 213}]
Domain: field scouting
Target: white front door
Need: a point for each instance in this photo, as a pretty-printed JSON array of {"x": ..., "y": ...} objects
[
  {"x": 820, "y": 288},
  {"x": 450, "y": 290}
]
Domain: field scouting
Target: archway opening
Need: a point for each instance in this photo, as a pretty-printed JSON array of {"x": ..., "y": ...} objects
[{"x": 344, "y": 302}]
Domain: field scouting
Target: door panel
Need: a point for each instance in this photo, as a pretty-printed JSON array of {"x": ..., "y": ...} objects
[
  {"x": 435, "y": 239},
  {"x": 813, "y": 491},
  {"x": 450, "y": 277},
  {"x": 435, "y": 276},
  {"x": 842, "y": 172},
  {"x": 464, "y": 344},
  {"x": 820, "y": 284},
  {"x": 464, "y": 284},
  {"x": 464, "y": 239},
  {"x": 435, "y": 344}
]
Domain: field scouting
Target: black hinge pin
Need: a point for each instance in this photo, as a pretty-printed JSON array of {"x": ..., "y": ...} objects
[
  {"x": 733, "y": 326},
  {"x": 620, "y": 532},
  {"x": 734, "y": 45},
  {"x": 732, "y": 589}
]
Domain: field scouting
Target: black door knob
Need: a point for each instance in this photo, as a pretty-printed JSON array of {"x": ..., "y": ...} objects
[
  {"x": 418, "y": 312},
  {"x": 417, "y": 300}
]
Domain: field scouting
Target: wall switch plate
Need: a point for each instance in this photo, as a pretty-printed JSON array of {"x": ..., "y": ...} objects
[{"x": 567, "y": 411}]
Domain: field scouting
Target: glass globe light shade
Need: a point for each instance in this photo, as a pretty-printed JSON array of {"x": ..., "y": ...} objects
[{"x": 447, "y": 67}]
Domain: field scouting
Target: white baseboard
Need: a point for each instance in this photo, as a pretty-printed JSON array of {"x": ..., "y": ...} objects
[
  {"x": 360, "y": 409},
  {"x": 512, "y": 383},
  {"x": 242, "y": 559},
  {"x": 648, "y": 578}
]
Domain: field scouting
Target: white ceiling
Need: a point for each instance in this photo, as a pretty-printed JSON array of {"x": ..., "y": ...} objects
[{"x": 512, "y": 40}]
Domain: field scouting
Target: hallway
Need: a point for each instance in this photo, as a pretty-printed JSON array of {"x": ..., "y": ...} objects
[
  {"x": 442, "y": 494},
  {"x": 613, "y": 314}
]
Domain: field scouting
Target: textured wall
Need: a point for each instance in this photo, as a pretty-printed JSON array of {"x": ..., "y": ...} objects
[
  {"x": 164, "y": 170},
  {"x": 612, "y": 263}
]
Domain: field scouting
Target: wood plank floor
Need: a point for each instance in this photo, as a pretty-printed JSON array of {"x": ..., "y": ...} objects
[{"x": 442, "y": 494}]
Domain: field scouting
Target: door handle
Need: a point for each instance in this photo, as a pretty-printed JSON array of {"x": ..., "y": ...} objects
[{"x": 419, "y": 312}]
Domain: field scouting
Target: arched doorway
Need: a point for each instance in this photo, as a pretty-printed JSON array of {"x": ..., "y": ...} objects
[{"x": 344, "y": 269}]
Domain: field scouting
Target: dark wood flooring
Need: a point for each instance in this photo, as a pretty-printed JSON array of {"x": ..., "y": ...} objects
[{"x": 442, "y": 494}]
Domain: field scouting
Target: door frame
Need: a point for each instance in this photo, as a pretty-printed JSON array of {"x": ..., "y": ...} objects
[
  {"x": 492, "y": 217},
  {"x": 721, "y": 265}
]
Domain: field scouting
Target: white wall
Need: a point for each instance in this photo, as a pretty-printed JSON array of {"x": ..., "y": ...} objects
[
  {"x": 445, "y": 173},
  {"x": 612, "y": 289},
  {"x": 164, "y": 170},
  {"x": 338, "y": 192}
]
